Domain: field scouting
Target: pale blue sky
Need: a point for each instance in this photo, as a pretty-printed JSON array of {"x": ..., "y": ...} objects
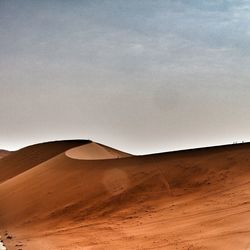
[{"x": 143, "y": 76}]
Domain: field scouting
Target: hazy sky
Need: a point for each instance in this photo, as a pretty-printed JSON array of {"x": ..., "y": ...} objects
[{"x": 142, "y": 76}]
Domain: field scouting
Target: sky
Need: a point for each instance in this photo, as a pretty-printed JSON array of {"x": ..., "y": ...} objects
[{"x": 142, "y": 76}]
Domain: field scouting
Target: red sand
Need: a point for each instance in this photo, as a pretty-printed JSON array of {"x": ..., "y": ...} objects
[{"x": 56, "y": 198}]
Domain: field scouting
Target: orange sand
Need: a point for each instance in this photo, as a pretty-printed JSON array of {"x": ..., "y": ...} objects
[{"x": 83, "y": 195}]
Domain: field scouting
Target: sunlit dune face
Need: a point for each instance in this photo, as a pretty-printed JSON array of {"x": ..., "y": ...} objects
[
  {"x": 94, "y": 151},
  {"x": 115, "y": 181}
]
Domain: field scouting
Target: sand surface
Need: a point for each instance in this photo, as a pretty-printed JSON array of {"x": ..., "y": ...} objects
[
  {"x": 89, "y": 196},
  {"x": 94, "y": 151},
  {"x": 4, "y": 153},
  {"x": 28, "y": 157}
]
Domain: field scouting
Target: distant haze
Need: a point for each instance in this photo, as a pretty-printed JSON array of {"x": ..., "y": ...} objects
[{"x": 140, "y": 76}]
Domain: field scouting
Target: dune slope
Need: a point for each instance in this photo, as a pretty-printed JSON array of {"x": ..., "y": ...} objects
[
  {"x": 28, "y": 157},
  {"x": 4, "y": 153},
  {"x": 194, "y": 199},
  {"x": 95, "y": 151}
]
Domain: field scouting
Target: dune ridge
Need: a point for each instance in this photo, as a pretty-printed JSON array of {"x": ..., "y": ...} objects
[
  {"x": 95, "y": 151},
  {"x": 96, "y": 197}
]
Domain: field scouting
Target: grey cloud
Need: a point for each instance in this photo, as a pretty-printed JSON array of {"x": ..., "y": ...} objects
[{"x": 139, "y": 75}]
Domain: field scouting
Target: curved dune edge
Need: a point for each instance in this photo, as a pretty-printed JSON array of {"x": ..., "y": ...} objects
[
  {"x": 94, "y": 151},
  {"x": 19, "y": 161}
]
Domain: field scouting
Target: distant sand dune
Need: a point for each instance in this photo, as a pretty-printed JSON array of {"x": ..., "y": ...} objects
[
  {"x": 84, "y": 195},
  {"x": 94, "y": 151}
]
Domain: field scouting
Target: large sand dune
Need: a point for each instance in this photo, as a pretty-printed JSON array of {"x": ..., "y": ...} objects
[
  {"x": 28, "y": 157},
  {"x": 86, "y": 195}
]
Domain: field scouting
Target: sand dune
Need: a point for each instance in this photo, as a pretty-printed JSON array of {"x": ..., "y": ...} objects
[
  {"x": 28, "y": 157},
  {"x": 94, "y": 197},
  {"x": 3, "y": 153},
  {"x": 94, "y": 151}
]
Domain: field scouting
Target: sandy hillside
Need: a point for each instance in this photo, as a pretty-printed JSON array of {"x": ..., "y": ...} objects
[
  {"x": 4, "y": 153},
  {"x": 28, "y": 157},
  {"x": 89, "y": 196}
]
